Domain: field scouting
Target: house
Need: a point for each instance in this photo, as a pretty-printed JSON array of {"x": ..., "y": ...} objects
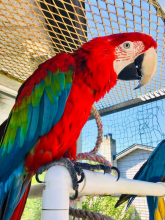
[{"x": 128, "y": 162}]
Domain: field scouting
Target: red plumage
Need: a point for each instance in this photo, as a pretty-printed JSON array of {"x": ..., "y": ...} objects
[
  {"x": 93, "y": 77},
  {"x": 91, "y": 82}
]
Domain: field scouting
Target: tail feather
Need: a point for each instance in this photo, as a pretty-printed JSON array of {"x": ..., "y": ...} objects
[
  {"x": 6, "y": 204},
  {"x": 20, "y": 207},
  {"x": 123, "y": 198},
  {"x": 12, "y": 191},
  {"x": 130, "y": 201},
  {"x": 160, "y": 212},
  {"x": 152, "y": 202}
]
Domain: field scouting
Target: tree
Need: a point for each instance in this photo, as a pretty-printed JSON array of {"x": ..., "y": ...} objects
[{"x": 105, "y": 205}]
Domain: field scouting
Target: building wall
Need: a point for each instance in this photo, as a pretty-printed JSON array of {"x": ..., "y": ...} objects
[
  {"x": 128, "y": 166},
  {"x": 131, "y": 163},
  {"x": 6, "y": 104},
  {"x": 10, "y": 87},
  {"x": 108, "y": 148}
]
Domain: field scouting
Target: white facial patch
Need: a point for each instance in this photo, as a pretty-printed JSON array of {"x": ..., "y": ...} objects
[{"x": 125, "y": 56}]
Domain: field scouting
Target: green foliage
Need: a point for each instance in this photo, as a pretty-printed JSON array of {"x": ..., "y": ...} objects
[
  {"x": 32, "y": 210},
  {"x": 33, "y": 207},
  {"x": 105, "y": 205}
]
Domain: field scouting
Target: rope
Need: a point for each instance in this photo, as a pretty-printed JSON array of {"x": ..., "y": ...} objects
[
  {"x": 97, "y": 117},
  {"x": 78, "y": 213},
  {"x": 91, "y": 156}
]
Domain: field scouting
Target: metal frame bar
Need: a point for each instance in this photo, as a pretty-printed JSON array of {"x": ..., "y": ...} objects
[{"x": 126, "y": 105}]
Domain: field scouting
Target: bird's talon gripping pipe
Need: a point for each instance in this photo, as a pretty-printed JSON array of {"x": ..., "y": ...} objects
[
  {"x": 39, "y": 172},
  {"x": 118, "y": 172},
  {"x": 82, "y": 178},
  {"x": 75, "y": 195},
  {"x": 71, "y": 166},
  {"x": 79, "y": 171}
]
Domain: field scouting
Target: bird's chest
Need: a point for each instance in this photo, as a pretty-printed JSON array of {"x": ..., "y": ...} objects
[{"x": 71, "y": 123}]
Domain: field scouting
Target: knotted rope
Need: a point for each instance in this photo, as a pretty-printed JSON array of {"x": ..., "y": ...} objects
[{"x": 79, "y": 213}]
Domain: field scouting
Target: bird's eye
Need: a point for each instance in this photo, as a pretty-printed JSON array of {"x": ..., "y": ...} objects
[{"x": 126, "y": 45}]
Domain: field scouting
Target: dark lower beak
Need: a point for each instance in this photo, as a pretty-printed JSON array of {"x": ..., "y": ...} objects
[{"x": 133, "y": 70}]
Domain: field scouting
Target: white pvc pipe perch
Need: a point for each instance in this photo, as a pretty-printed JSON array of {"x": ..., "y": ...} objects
[
  {"x": 58, "y": 187},
  {"x": 55, "y": 200}
]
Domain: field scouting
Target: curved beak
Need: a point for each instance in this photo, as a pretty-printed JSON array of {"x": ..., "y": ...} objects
[{"x": 141, "y": 69}]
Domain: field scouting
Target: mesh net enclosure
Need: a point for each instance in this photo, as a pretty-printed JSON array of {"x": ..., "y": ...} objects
[
  {"x": 32, "y": 31},
  {"x": 35, "y": 30},
  {"x": 130, "y": 136},
  {"x": 143, "y": 125}
]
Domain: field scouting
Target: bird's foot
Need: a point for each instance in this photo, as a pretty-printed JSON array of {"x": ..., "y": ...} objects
[
  {"x": 106, "y": 169},
  {"x": 72, "y": 167}
]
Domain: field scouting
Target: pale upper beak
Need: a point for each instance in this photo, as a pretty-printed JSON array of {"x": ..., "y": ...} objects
[{"x": 141, "y": 69}]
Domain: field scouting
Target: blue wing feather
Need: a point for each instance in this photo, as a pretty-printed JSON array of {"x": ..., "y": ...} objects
[
  {"x": 152, "y": 171},
  {"x": 39, "y": 112},
  {"x": 33, "y": 123},
  {"x": 61, "y": 106},
  {"x": 53, "y": 112},
  {"x": 46, "y": 105}
]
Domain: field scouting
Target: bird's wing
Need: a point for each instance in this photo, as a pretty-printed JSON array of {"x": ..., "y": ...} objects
[
  {"x": 39, "y": 106},
  {"x": 152, "y": 171},
  {"x": 154, "y": 168}
]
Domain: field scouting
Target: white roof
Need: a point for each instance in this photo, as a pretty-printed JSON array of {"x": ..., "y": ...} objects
[{"x": 131, "y": 149}]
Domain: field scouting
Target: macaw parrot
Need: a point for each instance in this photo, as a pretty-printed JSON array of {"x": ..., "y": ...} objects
[
  {"x": 54, "y": 103},
  {"x": 151, "y": 171}
]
